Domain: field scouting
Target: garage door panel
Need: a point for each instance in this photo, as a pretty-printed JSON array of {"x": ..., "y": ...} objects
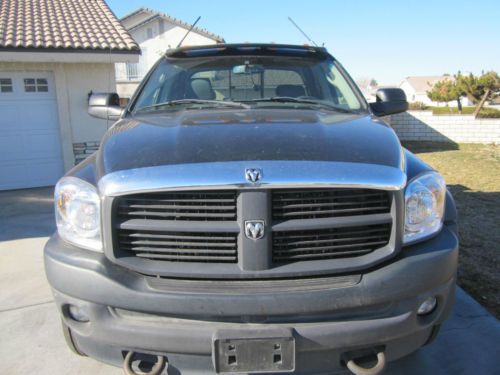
[
  {"x": 42, "y": 145},
  {"x": 12, "y": 146},
  {"x": 18, "y": 147},
  {"x": 36, "y": 173},
  {"x": 29, "y": 116},
  {"x": 30, "y": 147}
]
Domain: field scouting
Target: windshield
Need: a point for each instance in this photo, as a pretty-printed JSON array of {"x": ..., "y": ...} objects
[{"x": 248, "y": 81}]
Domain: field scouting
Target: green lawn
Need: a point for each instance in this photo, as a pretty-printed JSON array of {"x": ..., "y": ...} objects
[
  {"x": 485, "y": 112},
  {"x": 472, "y": 173}
]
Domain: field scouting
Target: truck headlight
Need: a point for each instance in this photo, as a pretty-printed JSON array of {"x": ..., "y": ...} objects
[
  {"x": 78, "y": 215},
  {"x": 424, "y": 206}
]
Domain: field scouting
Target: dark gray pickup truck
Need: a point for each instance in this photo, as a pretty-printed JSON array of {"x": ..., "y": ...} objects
[{"x": 249, "y": 212}]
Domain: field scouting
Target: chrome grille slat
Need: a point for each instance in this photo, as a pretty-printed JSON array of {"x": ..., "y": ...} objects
[
  {"x": 174, "y": 243},
  {"x": 332, "y": 240},
  {"x": 168, "y": 236},
  {"x": 190, "y": 227},
  {"x": 182, "y": 207},
  {"x": 285, "y": 249},
  {"x": 351, "y": 211},
  {"x": 331, "y": 204},
  {"x": 179, "y": 246},
  {"x": 184, "y": 215},
  {"x": 320, "y": 257},
  {"x": 185, "y": 205},
  {"x": 322, "y": 203},
  {"x": 287, "y": 235},
  {"x": 187, "y": 258},
  {"x": 329, "y": 243},
  {"x": 142, "y": 251}
]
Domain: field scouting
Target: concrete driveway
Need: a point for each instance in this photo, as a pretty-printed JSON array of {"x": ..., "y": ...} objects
[{"x": 32, "y": 343}]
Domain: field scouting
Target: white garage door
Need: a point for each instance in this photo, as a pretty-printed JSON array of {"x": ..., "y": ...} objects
[{"x": 30, "y": 147}]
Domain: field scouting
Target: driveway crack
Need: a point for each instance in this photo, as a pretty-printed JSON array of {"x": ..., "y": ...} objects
[{"x": 27, "y": 306}]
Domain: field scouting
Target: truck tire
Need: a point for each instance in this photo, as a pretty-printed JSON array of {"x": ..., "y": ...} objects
[{"x": 69, "y": 340}]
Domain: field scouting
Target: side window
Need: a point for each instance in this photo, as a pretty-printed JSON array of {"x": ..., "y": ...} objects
[
  {"x": 339, "y": 89},
  {"x": 6, "y": 85},
  {"x": 149, "y": 32},
  {"x": 36, "y": 85}
]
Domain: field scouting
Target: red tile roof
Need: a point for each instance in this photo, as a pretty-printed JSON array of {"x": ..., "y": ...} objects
[{"x": 62, "y": 25}]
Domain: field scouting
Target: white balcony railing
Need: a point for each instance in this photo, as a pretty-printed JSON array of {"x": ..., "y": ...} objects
[
  {"x": 132, "y": 71},
  {"x": 129, "y": 71}
]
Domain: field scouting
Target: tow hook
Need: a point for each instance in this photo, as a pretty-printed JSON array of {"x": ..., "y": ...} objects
[
  {"x": 375, "y": 370},
  {"x": 155, "y": 370}
]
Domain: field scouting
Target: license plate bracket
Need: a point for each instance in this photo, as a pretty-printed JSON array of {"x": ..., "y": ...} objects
[{"x": 255, "y": 355}]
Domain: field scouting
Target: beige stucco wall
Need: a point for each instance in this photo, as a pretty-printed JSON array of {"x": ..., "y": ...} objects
[{"x": 73, "y": 83}]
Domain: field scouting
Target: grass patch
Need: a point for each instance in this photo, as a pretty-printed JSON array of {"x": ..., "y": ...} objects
[
  {"x": 472, "y": 175},
  {"x": 485, "y": 112},
  {"x": 451, "y": 110}
]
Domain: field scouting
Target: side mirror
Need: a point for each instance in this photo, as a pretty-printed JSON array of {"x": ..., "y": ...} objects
[
  {"x": 389, "y": 101},
  {"x": 105, "y": 106}
]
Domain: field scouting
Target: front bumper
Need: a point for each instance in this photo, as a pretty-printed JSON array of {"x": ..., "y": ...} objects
[{"x": 327, "y": 317}]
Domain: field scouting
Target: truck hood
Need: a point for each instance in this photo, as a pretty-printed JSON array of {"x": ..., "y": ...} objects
[{"x": 204, "y": 136}]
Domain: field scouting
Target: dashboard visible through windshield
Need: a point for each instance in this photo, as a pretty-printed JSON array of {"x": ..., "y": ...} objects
[{"x": 248, "y": 81}]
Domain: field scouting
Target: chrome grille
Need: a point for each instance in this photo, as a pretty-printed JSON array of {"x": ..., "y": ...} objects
[
  {"x": 330, "y": 243},
  {"x": 321, "y": 203}
]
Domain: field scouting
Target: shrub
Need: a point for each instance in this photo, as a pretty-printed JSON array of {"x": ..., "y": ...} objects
[
  {"x": 417, "y": 106},
  {"x": 489, "y": 113}
]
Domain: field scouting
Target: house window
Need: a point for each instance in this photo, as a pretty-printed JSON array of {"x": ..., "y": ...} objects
[
  {"x": 132, "y": 71},
  {"x": 149, "y": 32},
  {"x": 5, "y": 85},
  {"x": 36, "y": 85}
]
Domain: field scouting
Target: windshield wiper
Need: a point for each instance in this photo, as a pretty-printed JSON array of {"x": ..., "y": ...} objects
[
  {"x": 218, "y": 103},
  {"x": 287, "y": 99}
]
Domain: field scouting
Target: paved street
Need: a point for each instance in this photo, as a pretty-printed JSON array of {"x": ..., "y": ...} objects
[{"x": 32, "y": 343}]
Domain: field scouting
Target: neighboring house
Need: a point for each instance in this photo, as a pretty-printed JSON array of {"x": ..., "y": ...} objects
[
  {"x": 53, "y": 53},
  {"x": 416, "y": 89},
  {"x": 155, "y": 33},
  {"x": 368, "y": 88}
]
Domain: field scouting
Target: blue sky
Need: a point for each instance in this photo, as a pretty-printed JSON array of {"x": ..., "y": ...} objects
[{"x": 384, "y": 39}]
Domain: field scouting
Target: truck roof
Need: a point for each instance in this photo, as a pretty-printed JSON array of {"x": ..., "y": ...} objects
[{"x": 238, "y": 49}]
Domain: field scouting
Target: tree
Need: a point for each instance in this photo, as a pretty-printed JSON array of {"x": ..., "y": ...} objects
[
  {"x": 444, "y": 91},
  {"x": 479, "y": 89}
]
